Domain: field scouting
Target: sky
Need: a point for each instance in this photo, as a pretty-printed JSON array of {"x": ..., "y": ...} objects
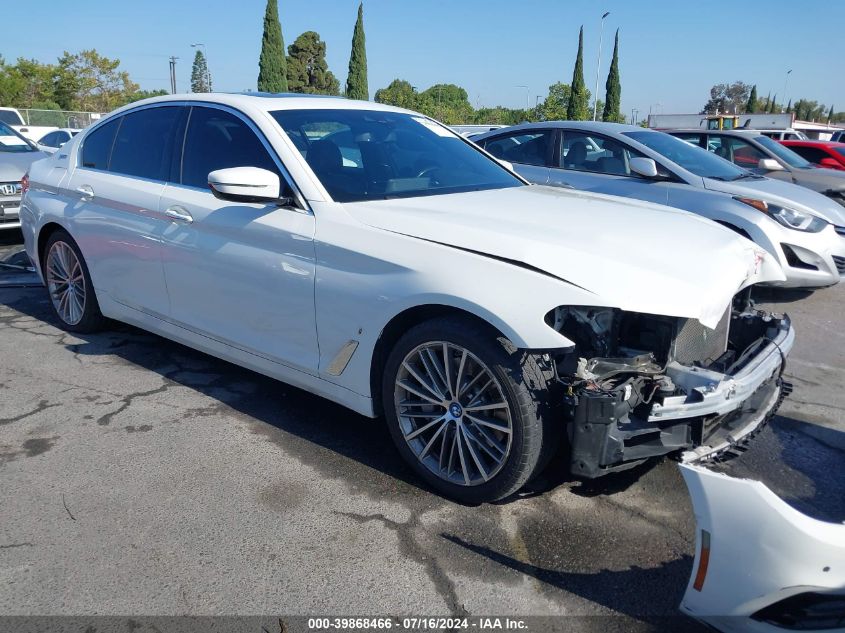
[{"x": 671, "y": 51}]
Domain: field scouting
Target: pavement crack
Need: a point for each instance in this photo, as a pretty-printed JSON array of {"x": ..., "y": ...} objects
[
  {"x": 42, "y": 405},
  {"x": 126, "y": 402},
  {"x": 409, "y": 547},
  {"x": 12, "y": 545}
]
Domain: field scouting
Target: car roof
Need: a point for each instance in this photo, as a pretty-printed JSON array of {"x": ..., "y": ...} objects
[
  {"x": 812, "y": 143},
  {"x": 726, "y": 132},
  {"x": 599, "y": 127},
  {"x": 268, "y": 102}
]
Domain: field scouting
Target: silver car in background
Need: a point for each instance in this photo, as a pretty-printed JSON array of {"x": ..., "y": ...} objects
[
  {"x": 804, "y": 230},
  {"x": 755, "y": 151},
  {"x": 16, "y": 155}
]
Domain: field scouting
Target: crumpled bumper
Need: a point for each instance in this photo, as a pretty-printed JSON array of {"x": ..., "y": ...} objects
[
  {"x": 715, "y": 417},
  {"x": 761, "y": 565}
]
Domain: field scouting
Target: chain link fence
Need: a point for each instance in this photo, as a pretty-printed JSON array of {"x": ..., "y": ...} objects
[{"x": 59, "y": 118}]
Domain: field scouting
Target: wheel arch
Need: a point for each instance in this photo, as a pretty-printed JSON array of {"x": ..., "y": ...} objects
[
  {"x": 44, "y": 234},
  {"x": 400, "y": 324}
]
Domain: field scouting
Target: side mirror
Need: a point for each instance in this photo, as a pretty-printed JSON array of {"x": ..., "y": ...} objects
[
  {"x": 645, "y": 167},
  {"x": 831, "y": 163},
  {"x": 507, "y": 165},
  {"x": 245, "y": 184},
  {"x": 769, "y": 164}
]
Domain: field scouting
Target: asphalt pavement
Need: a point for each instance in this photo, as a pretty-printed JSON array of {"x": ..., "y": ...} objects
[{"x": 139, "y": 477}]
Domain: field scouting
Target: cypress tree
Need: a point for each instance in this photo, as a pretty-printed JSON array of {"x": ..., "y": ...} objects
[
  {"x": 767, "y": 104},
  {"x": 356, "y": 80},
  {"x": 579, "y": 106},
  {"x": 789, "y": 107},
  {"x": 200, "y": 77},
  {"x": 272, "y": 65},
  {"x": 773, "y": 104},
  {"x": 613, "y": 88},
  {"x": 751, "y": 106},
  {"x": 830, "y": 114}
]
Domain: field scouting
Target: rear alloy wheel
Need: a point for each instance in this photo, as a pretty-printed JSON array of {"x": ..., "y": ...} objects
[
  {"x": 69, "y": 285},
  {"x": 462, "y": 408}
]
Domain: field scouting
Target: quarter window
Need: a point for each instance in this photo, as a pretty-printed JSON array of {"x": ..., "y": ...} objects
[
  {"x": 144, "y": 143},
  {"x": 97, "y": 145},
  {"x": 217, "y": 139}
]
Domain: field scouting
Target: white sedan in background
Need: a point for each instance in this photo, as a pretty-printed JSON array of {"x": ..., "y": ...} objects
[
  {"x": 52, "y": 141},
  {"x": 374, "y": 257}
]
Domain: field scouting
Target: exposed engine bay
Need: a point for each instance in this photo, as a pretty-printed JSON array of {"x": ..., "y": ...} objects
[{"x": 639, "y": 385}]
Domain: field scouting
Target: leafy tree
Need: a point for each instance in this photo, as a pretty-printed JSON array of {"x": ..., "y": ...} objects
[
  {"x": 727, "y": 98},
  {"x": 578, "y": 108},
  {"x": 200, "y": 77},
  {"x": 556, "y": 104},
  {"x": 356, "y": 80},
  {"x": 613, "y": 89},
  {"x": 308, "y": 71},
  {"x": 399, "y": 93},
  {"x": 91, "y": 82},
  {"x": 751, "y": 106},
  {"x": 272, "y": 65},
  {"x": 47, "y": 113},
  {"x": 447, "y": 103},
  {"x": 146, "y": 94}
]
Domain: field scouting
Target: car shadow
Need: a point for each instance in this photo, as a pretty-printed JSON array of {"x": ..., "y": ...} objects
[
  {"x": 632, "y": 588},
  {"x": 765, "y": 294}
]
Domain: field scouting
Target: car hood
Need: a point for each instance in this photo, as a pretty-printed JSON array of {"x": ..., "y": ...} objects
[
  {"x": 632, "y": 255},
  {"x": 13, "y": 165},
  {"x": 784, "y": 194}
]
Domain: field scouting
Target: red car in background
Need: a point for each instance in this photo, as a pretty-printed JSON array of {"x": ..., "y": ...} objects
[{"x": 822, "y": 153}]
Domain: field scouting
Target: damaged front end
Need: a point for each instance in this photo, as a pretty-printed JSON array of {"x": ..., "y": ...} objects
[{"x": 639, "y": 385}]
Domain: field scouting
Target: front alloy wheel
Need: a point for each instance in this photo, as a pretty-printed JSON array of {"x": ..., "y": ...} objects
[
  {"x": 467, "y": 410},
  {"x": 453, "y": 413}
]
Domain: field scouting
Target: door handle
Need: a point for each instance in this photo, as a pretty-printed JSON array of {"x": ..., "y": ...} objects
[
  {"x": 86, "y": 191},
  {"x": 179, "y": 214}
]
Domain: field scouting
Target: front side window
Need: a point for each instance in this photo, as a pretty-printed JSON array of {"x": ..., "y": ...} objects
[
  {"x": 524, "y": 148},
  {"x": 736, "y": 150},
  {"x": 812, "y": 154},
  {"x": 144, "y": 143},
  {"x": 217, "y": 139},
  {"x": 96, "y": 146},
  {"x": 695, "y": 160},
  {"x": 582, "y": 151},
  {"x": 371, "y": 155}
]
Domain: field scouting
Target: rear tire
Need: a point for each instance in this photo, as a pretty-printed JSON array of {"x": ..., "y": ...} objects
[
  {"x": 467, "y": 410},
  {"x": 69, "y": 285}
]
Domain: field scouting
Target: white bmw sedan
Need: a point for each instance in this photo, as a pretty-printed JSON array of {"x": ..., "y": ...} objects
[{"x": 372, "y": 256}]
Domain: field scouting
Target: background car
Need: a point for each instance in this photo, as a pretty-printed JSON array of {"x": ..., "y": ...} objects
[
  {"x": 411, "y": 275},
  {"x": 762, "y": 155},
  {"x": 16, "y": 155},
  {"x": 838, "y": 137},
  {"x": 805, "y": 231},
  {"x": 821, "y": 153},
  {"x": 52, "y": 141}
]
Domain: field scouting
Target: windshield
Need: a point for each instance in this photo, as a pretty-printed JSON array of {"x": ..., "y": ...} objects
[
  {"x": 11, "y": 117},
  {"x": 372, "y": 155},
  {"x": 783, "y": 152},
  {"x": 11, "y": 141},
  {"x": 694, "y": 159}
]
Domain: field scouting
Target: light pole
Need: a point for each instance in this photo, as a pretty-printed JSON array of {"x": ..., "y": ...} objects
[
  {"x": 785, "y": 84},
  {"x": 634, "y": 113},
  {"x": 598, "y": 67},
  {"x": 207, "y": 71},
  {"x": 527, "y": 97}
]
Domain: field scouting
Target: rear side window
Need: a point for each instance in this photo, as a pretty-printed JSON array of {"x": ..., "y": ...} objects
[
  {"x": 217, "y": 140},
  {"x": 96, "y": 147},
  {"x": 144, "y": 143},
  {"x": 525, "y": 148}
]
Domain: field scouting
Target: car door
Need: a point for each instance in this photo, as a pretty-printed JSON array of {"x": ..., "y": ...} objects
[
  {"x": 592, "y": 162},
  {"x": 240, "y": 273},
  {"x": 529, "y": 151},
  {"x": 112, "y": 200}
]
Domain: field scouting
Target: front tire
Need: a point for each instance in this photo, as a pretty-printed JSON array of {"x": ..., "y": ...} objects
[
  {"x": 69, "y": 285},
  {"x": 466, "y": 409}
]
